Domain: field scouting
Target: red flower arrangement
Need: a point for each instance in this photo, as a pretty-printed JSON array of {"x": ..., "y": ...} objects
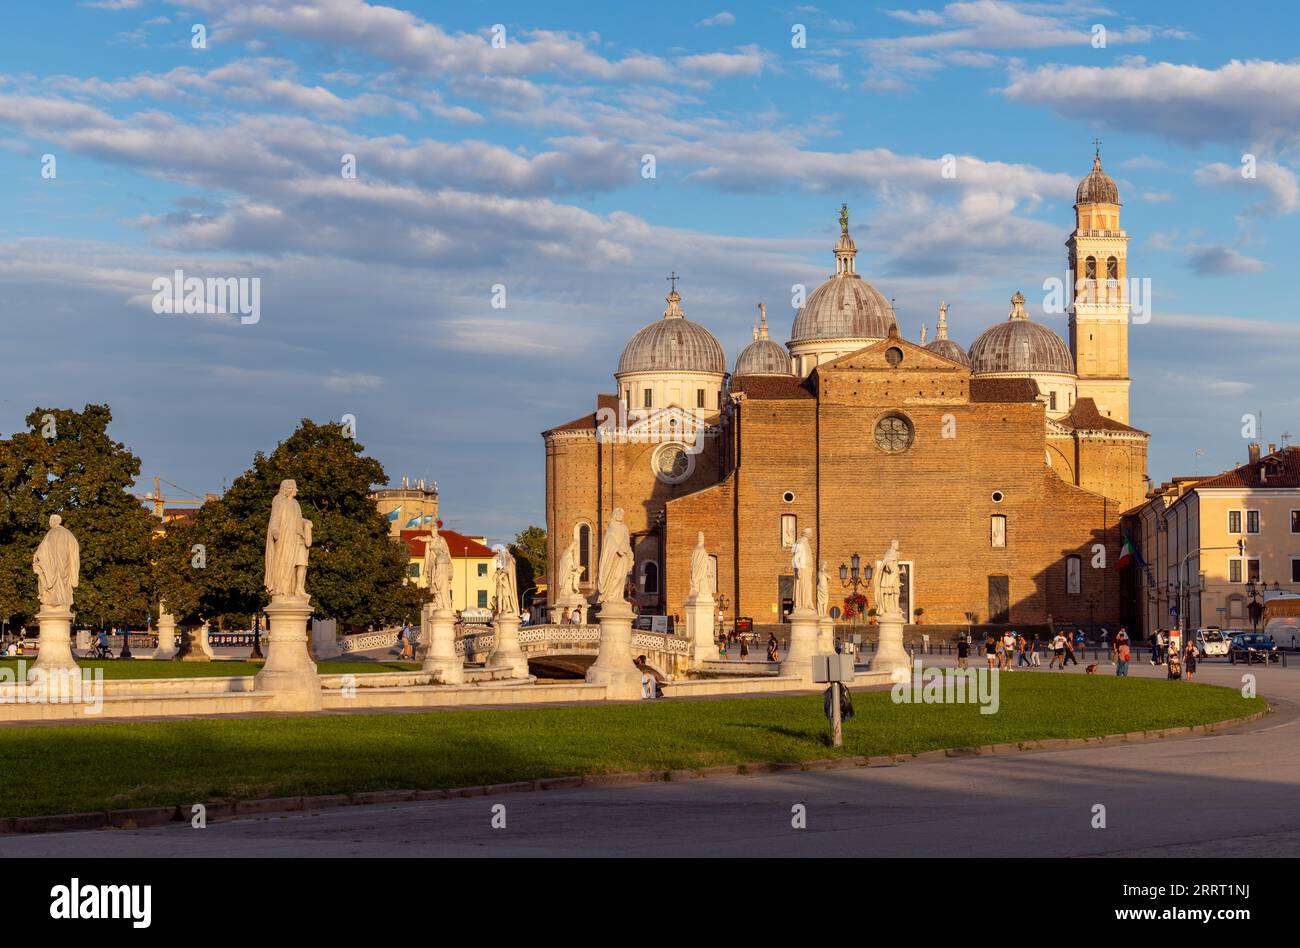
[{"x": 855, "y": 605}]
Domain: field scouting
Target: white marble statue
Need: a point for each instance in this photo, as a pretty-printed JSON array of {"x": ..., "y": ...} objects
[
  {"x": 288, "y": 538},
  {"x": 889, "y": 582},
  {"x": 569, "y": 573},
  {"x": 615, "y": 561},
  {"x": 507, "y": 588},
  {"x": 438, "y": 570},
  {"x": 57, "y": 563},
  {"x": 823, "y": 591},
  {"x": 702, "y": 580},
  {"x": 805, "y": 578}
]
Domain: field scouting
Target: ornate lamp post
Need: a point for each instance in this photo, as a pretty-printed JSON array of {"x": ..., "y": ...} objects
[
  {"x": 1256, "y": 608},
  {"x": 855, "y": 576}
]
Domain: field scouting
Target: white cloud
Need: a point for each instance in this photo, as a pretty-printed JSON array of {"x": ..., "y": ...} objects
[
  {"x": 1242, "y": 104},
  {"x": 1279, "y": 184},
  {"x": 719, "y": 19},
  {"x": 1221, "y": 260}
]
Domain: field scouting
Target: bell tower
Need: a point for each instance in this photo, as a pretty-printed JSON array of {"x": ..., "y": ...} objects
[{"x": 1099, "y": 308}]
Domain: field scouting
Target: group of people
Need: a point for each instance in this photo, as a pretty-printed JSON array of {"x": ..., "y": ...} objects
[{"x": 1012, "y": 650}]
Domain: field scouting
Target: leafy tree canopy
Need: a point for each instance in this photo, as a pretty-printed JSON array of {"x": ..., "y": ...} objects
[{"x": 529, "y": 551}]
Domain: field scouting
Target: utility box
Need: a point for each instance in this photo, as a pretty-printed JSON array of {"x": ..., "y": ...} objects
[{"x": 831, "y": 668}]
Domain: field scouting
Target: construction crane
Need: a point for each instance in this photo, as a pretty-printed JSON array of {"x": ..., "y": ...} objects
[{"x": 160, "y": 502}]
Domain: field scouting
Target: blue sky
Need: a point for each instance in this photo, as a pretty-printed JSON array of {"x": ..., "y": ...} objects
[{"x": 521, "y": 165}]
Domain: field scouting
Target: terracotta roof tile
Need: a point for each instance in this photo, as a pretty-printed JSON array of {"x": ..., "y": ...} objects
[
  {"x": 1284, "y": 468},
  {"x": 457, "y": 543},
  {"x": 1084, "y": 416},
  {"x": 1003, "y": 390},
  {"x": 772, "y": 386}
]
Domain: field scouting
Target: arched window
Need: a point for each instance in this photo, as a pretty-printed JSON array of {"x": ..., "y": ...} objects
[
  {"x": 1112, "y": 268},
  {"x": 1073, "y": 575},
  {"x": 650, "y": 577},
  {"x": 1090, "y": 269},
  {"x": 584, "y": 551}
]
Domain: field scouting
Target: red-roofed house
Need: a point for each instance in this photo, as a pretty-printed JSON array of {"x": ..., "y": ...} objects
[{"x": 471, "y": 560}]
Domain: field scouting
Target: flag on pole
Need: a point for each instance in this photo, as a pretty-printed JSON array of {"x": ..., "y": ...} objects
[
  {"x": 393, "y": 515},
  {"x": 1127, "y": 553}
]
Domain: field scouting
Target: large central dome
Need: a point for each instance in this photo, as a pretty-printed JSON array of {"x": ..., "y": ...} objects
[{"x": 845, "y": 306}]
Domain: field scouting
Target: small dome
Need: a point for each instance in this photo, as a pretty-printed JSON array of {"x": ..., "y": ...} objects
[
  {"x": 949, "y": 350},
  {"x": 1098, "y": 187},
  {"x": 845, "y": 306},
  {"x": 944, "y": 346},
  {"x": 1019, "y": 345},
  {"x": 673, "y": 344},
  {"x": 763, "y": 356}
]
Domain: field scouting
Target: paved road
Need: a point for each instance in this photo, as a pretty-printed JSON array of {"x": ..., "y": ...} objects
[{"x": 1234, "y": 794}]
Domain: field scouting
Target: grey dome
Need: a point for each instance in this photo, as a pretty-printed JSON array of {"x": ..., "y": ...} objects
[
  {"x": 1098, "y": 187},
  {"x": 949, "y": 350},
  {"x": 673, "y": 344},
  {"x": 1019, "y": 345},
  {"x": 845, "y": 306},
  {"x": 763, "y": 356}
]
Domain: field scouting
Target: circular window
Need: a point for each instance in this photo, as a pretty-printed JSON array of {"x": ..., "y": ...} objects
[
  {"x": 894, "y": 433},
  {"x": 788, "y": 497},
  {"x": 893, "y": 355},
  {"x": 997, "y": 497},
  {"x": 672, "y": 464}
]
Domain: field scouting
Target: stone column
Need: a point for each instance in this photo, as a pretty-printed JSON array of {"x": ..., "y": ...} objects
[
  {"x": 55, "y": 653},
  {"x": 613, "y": 667},
  {"x": 505, "y": 647},
  {"x": 166, "y": 649},
  {"x": 890, "y": 655},
  {"x": 439, "y": 637},
  {"x": 803, "y": 645},
  {"x": 700, "y": 628},
  {"x": 289, "y": 673}
]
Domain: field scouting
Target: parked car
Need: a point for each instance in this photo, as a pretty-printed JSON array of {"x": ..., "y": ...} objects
[
  {"x": 1248, "y": 647},
  {"x": 1211, "y": 643}
]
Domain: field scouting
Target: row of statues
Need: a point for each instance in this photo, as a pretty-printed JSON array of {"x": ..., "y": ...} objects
[{"x": 57, "y": 561}]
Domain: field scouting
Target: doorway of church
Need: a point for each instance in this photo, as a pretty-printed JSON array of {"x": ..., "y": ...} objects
[{"x": 999, "y": 599}]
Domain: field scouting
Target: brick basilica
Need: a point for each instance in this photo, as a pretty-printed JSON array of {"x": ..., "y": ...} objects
[{"x": 1002, "y": 470}]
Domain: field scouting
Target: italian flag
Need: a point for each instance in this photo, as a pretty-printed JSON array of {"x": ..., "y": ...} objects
[{"x": 1126, "y": 553}]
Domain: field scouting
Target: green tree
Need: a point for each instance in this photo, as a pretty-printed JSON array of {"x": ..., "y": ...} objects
[
  {"x": 356, "y": 572},
  {"x": 529, "y": 551},
  {"x": 66, "y": 463}
]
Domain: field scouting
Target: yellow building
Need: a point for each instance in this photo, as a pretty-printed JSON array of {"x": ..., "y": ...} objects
[
  {"x": 1210, "y": 542},
  {"x": 413, "y": 506},
  {"x": 471, "y": 564}
]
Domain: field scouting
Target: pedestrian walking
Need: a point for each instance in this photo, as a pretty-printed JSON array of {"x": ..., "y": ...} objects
[
  {"x": 1022, "y": 650},
  {"x": 744, "y": 647},
  {"x": 1035, "y": 652},
  {"x": 1069, "y": 653},
  {"x": 1058, "y": 650},
  {"x": 1008, "y": 650},
  {"x": 1189, "y": 662},
  {"x": 991, "y": 651},
  {"x": 773, "y": 652},
  {"x": 1121, "y": 658},
  {"x": 963, "y": 652}
]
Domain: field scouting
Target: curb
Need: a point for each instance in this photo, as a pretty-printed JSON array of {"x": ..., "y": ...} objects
[{"x": 148, "y": 816}]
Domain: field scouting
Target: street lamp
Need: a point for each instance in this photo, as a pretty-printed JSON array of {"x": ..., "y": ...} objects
[
  {"x": 855, "y": 576},
  {"x": 1254, "y": 591}
]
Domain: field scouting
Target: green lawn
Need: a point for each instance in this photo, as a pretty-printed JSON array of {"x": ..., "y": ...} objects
[
  {"x": 112, "y": 765},
  {"x": 114, "y": 669}
]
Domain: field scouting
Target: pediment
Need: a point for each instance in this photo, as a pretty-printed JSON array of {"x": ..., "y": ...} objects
[{"x": 876, "y": 358}]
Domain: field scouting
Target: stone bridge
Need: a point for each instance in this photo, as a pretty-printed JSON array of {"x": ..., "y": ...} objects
[{"x": 561, "y": 650}]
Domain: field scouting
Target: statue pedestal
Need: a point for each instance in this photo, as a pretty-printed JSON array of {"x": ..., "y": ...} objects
[
  {"x": 55, "y": 654},
  {"x": 825, "y": 636},
  {"x": 803, "y": 645},
  {"x": 289, "y": 673},
  {"x": 613, "y": 667},
  {"x": 890, "y": 655},
  {"x": 505, "y": 647},
  {"x": 440, "y": 658},
  {"x": 166, "y": 649},
  {"x": 195, "y": 647},
  {"x": 325, "y": 639},
  {"x": 700, "y": 630}
]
